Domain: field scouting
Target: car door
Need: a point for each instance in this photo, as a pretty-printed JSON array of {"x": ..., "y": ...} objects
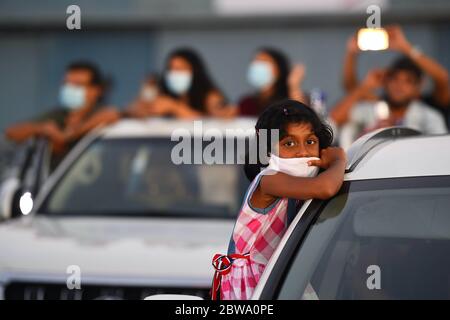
[{"x": 376, "y": 239}]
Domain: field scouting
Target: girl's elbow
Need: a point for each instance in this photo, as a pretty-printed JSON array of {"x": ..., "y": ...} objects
[
  {"x": 328, "y": 191},
  {"x": 324, "y": 195}
]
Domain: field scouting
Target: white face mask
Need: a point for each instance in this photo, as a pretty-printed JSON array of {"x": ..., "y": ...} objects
[
  {"x": 72, "y": 97},
  {"x": 297, "y": 167},
  {"x": 149, "y": 93},
  {"x": 260, "y": 74},
  {"x": 178, "y": 82}
]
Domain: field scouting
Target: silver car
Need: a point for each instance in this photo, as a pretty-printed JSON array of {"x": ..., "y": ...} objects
[
  {"x": 385, "y": 235},
  {"x": 119, "y": 220}
]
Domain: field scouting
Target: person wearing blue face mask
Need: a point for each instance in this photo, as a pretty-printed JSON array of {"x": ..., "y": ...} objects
[
  {"x": 270, "y": 75},
  {"x": 80, "y": 111},
  {"x": 187, "y": 90}
]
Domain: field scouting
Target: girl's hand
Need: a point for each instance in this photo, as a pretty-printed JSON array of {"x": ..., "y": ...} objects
[{"x": 328, "y": 156}]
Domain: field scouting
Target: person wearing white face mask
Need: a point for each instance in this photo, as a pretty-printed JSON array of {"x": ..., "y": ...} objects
[
  {"x": 270, "y": 75},
  {"x": 187, "y": 90},
  {"x": 276, "y": 192},
  {"x": 296, "y": 167},
  {"x": 79, "y": 97}
]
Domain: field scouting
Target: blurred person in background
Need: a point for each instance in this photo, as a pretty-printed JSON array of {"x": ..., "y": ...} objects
[
  {"x": 439, "y": 98},
  {"x": 270, "y": 74},
  {"x": 149, "y": 92},
  {"x": 187, "y": 90},
  {"x": 399, "y": 106},
  {"x": 81, "y": 111}
]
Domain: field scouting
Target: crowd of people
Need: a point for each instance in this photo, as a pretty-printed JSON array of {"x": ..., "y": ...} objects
[{"x": 185, "y": 89}]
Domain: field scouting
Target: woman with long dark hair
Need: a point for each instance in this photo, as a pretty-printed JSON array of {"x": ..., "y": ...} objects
[
  {"x": 187, "y": 90},
  {"x": 270, "y": 74}
]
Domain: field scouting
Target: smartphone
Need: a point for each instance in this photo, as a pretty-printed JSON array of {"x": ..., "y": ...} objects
[{"x": 373, "y": 39}]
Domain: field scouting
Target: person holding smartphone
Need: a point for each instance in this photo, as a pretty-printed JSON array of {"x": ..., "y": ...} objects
[
  {"x": 399, "y": 105},
  {"x": 439, "y": 98}
]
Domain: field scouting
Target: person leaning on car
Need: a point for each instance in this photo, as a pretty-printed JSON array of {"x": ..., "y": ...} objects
[{"x": 81, "y": 111}]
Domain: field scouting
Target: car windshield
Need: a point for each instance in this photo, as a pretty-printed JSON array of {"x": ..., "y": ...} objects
[
  {"x": 137, "y": 177},
  {"x": 388, "y": 242}
]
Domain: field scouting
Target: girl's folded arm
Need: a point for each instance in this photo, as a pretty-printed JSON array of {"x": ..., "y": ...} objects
[{"x": 324, "y": 186}]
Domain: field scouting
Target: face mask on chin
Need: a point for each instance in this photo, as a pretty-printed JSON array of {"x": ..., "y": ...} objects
[{"x": 297, "y": 167}]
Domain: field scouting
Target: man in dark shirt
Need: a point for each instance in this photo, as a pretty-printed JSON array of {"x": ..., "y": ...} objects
[{"x": 80, "y": 97}]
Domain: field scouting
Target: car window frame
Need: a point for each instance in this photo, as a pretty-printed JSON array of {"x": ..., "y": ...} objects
[{"x": 289, "y": 252}]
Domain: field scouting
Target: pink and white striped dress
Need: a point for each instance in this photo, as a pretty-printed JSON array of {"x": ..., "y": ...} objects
[{"x": 256, "y": 235}]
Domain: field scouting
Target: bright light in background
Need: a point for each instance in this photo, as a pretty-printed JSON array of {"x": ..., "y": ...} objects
[
  {"x": 373, "y": 39},
  {"x": 26, "y": 203}
]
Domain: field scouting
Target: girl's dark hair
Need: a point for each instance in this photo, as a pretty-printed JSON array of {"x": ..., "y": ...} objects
[
  {"x": 283, "y": 65},
  {"x": 201, "y": 84},
  {"x": 278, "y": 116}
]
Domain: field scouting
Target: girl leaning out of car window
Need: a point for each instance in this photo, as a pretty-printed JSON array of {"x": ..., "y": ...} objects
[{"x": 276, "y": 192}]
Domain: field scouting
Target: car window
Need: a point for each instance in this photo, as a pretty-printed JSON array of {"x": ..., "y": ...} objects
[
  {"x": 376, "y": 244},
  {"x": 138, "y": 177}
]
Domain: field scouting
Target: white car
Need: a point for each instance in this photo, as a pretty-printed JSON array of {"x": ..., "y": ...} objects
[
  {"x": 385, "y": 235},
  {"x": 23, "y": 176},
  {"x": 120, "y": 220}
]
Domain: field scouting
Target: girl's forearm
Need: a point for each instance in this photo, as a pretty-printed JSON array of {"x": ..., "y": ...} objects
[
  {"x": 324, "y": 186},
  {"x": 330, "y": 181}
]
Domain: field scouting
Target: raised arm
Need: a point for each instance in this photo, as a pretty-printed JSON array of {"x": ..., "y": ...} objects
[
  {"x": 324, "y": 186},
  {"x": 439, "y": 75},
  {"x": 349, "y": 72},
  {"x": 340, "y": 114},
  {"x": 295, "y": 81}
]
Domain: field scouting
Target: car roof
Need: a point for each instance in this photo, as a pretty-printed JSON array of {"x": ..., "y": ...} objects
[
  {"x": 410, "y": 156},
  {"x": 385, "y": 153},
  {"x": 161, "y": 127}
]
